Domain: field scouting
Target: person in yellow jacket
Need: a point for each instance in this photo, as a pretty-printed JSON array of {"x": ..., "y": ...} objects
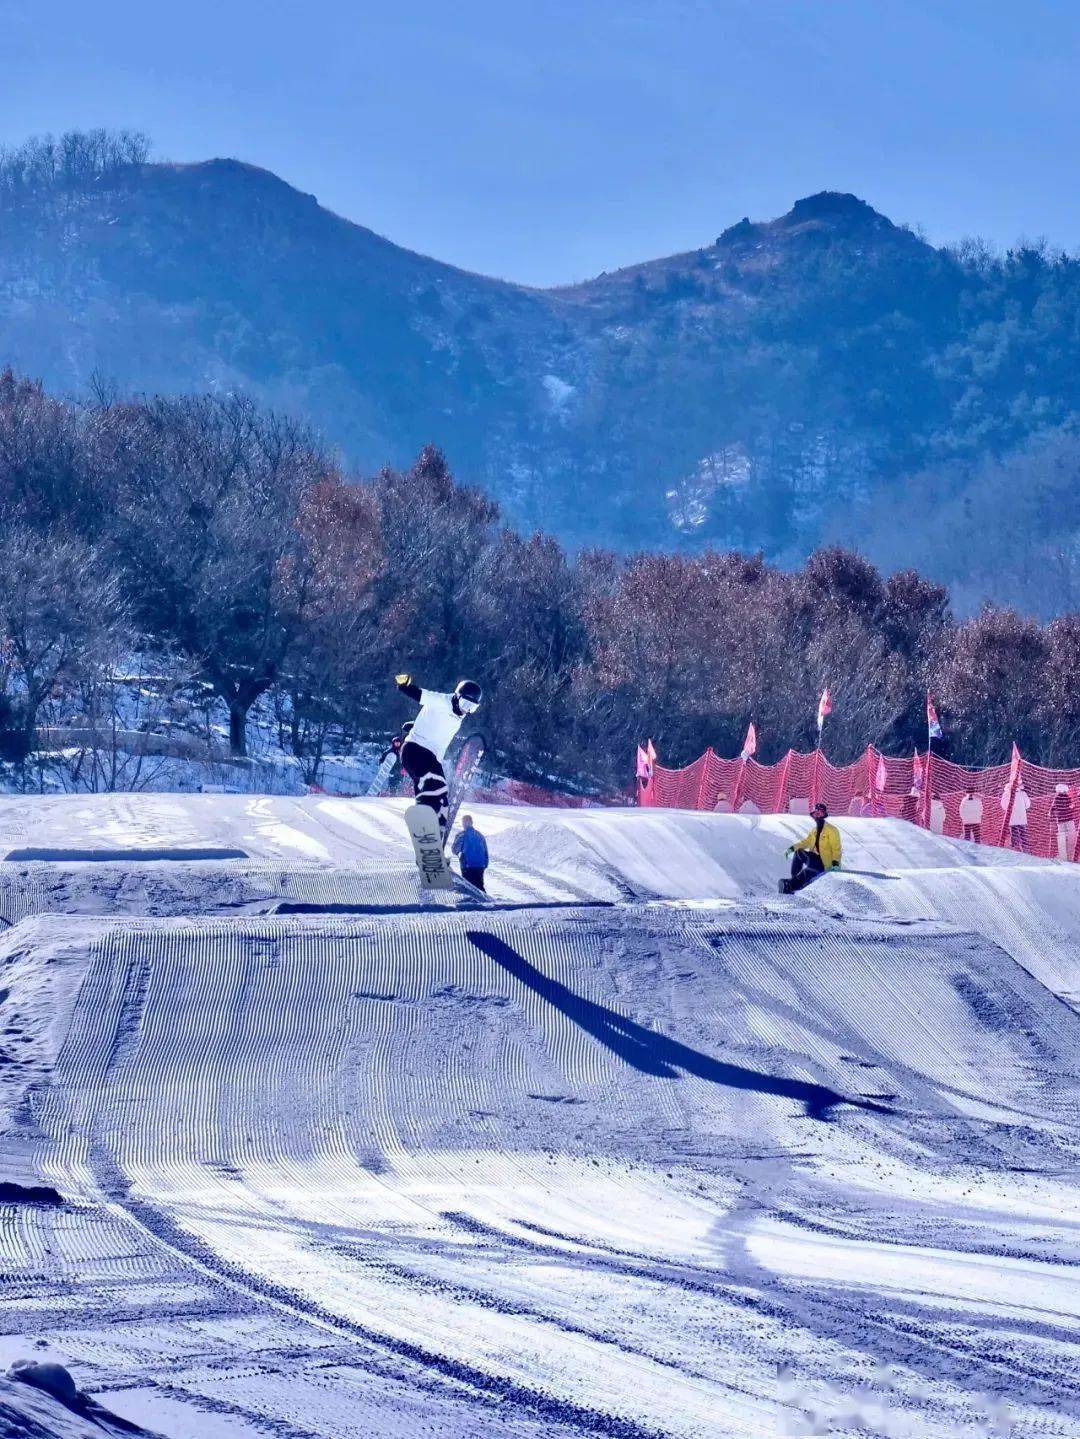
[{"x": 814, "y": 855}]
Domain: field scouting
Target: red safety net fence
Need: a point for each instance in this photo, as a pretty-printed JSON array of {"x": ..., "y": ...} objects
[{"x": 1019, "y": 805}]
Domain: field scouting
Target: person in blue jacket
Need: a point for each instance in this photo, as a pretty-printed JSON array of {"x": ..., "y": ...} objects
[{"x": 471, "y": 848}]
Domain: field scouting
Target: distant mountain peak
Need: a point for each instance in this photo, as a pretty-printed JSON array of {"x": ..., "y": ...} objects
[
  {"x": 835, "y": 206},
  {"x": 829, "y": 213}
]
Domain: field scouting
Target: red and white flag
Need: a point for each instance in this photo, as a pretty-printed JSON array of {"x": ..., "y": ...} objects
[
  {"x": 644, "y": 768},
  {"x": 824, "y": 707},
  {"x": 881, "y": 778},
  {"x": 933, "y": 724},
  {"x": 749, "y": 745}
]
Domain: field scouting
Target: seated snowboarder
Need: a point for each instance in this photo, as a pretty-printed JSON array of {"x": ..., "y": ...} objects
[
  {"x": 433, "y": 730},
  {"x": 814, "y": 855}
]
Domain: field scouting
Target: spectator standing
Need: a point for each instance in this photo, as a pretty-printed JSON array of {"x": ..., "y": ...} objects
[
  {"x": 858, "y": 807},
  {"x": 471, "y": 848},
  {"x": 1018, "y": 815},
  {"x": 1063, "y": 813},
  {"x": 971, "y": 815},
  {"x": 723, "y": 804}
]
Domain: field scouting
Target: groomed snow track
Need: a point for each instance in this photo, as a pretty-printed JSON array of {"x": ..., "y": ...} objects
[{"x": 562, "y": 1166}]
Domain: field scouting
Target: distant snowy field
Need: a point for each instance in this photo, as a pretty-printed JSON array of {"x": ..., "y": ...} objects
[{"x": 637, "y": 1149}]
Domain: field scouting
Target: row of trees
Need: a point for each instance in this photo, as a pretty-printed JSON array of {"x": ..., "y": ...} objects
[
  {"x": 227, "y": 542},
  {"x": 78, "y": 157}
]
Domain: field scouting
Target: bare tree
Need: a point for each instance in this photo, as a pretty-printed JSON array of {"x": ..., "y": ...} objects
[
  {"x": 331, "y": 584},
  {"x": 209, "y": 542},
  {"x": 113, "y": 726},
  {"x": 61, "y": 612}
]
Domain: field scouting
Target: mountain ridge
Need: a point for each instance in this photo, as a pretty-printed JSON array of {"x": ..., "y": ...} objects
[{"x": 771, "y": 390}]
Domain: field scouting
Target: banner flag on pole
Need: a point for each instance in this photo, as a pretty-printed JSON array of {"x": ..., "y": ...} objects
[
  {"x": 749, "y": 743},
  {"x": 644, "y": 769},
  {"x": 824, "y": 708},
  {"x": 933, "y": 724}
]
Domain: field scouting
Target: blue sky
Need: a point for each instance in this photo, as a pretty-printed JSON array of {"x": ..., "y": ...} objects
[{"x": 547, "y": 141}]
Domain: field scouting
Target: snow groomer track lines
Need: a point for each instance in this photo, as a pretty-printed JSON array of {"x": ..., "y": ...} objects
[{"x": 542, "y": 1170}]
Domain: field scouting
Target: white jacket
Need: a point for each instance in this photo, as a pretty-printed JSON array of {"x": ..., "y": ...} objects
[
  {"x": 436, "y": 724},
  {"x": 1020, "y": 806},
  {"x": 971, "y": 810}
]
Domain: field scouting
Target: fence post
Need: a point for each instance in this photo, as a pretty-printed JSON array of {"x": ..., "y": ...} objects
[
  {"x": 926, "y": 799},
  {"x": 780, "y": 805},
  {"x": 736, "y": 794},
  {"x": 1010, "y": 791},
  {"x": 704, "y": 778}
]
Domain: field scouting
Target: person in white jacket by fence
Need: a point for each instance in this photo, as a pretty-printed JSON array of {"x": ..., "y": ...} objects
[
  {"x": 1018, "y": 815},
  {"x": 971, "y": 815},
  {"x": 1063, "y": 813}
]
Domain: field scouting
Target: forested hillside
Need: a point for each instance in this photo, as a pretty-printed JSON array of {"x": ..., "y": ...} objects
[
  {"x": 823, "y": 376},
  {"x": 227, "y": 543}
]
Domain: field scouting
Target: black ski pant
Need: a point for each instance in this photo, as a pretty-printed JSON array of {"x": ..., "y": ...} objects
[
  {"x": 429, "y": 779},
  {"x": 473, "y": 875},
  {"x": 805, "y": 866}
]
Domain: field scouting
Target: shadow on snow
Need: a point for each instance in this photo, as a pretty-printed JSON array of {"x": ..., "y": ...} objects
[{"x": 651, "y": 1052}]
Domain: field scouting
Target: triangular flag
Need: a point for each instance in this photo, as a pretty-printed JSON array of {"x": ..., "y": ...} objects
[
  {"x": 749, "y": 743},
  {"x": 881, "y": 778},
  {"x": 824, "y": 707},
  {"x": 644, "y": 769}
]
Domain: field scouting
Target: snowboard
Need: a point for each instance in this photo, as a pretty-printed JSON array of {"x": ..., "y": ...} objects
[
  {"x": 381, "y": 782},
  {"x": 427, "y": 839},
  {"x": 465, "y": 767}
]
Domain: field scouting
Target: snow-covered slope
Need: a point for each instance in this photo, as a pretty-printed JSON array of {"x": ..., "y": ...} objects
[{"x": 597, "y": 1158}]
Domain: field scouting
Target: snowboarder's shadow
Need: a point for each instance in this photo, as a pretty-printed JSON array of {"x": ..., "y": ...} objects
[{"x": 649, "y": 1051}]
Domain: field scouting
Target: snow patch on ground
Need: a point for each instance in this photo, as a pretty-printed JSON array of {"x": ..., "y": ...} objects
[{"x": 604, "y": 1161}]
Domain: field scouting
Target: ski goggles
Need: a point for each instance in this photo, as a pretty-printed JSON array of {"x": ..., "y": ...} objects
[{"x": 468, "y": 706}]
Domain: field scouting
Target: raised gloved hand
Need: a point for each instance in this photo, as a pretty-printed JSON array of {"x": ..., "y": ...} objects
[
  {"x": 403, "y": 679},
  {"x": 789, "y": 851}
]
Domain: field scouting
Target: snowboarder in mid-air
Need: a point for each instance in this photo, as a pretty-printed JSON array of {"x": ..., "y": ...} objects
[
  {"x": 422, "y": 755},
  {"x": 432, "y": 733},
  {"x": 814, "y": 855}
]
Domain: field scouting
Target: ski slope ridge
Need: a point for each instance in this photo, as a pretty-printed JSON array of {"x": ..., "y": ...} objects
[{"x": 547, "y": 1169}]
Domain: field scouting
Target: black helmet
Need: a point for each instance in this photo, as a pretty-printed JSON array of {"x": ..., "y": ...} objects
[
  {"x": 468, "y": 694},
  {"x": 823, "y": 807}
]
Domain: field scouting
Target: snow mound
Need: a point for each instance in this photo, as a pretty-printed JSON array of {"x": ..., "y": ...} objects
[
  {"x": 38, "y": 1400},
  {"x": 559, "y": 1169}
]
